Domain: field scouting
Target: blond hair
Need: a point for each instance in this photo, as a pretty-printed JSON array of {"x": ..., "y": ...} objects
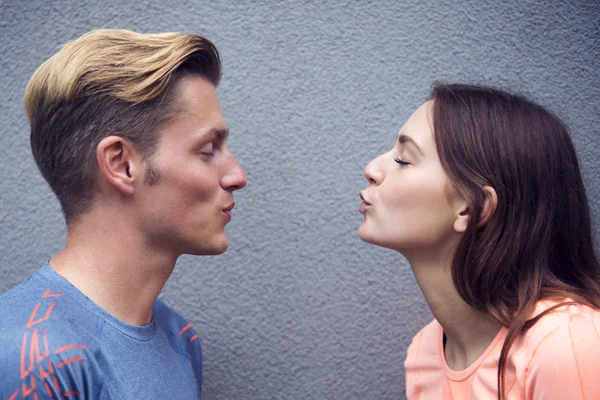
[{"x": 107, "y": 82}]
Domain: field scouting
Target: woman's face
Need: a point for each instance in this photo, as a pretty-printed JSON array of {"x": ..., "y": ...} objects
[{"x": 410, "y": 203}]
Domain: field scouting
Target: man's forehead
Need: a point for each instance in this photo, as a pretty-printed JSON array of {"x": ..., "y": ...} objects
[
  {"x": 197, "y": 105},
  {"x": 196, "y": 95}
]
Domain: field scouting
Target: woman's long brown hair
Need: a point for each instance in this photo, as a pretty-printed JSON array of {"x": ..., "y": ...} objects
[{"x": 539, "y": 243}]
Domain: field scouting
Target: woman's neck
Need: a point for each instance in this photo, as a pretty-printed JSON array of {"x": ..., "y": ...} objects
[{"x": 468, "y": 331}]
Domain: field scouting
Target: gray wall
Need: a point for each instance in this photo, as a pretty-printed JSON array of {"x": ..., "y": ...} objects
[{"x": 299, "y": 307}]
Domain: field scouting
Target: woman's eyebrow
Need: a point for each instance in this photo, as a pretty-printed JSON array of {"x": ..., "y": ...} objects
[{"x": 402, "y": 139}]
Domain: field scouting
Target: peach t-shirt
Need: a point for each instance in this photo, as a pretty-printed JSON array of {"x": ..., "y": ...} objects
[{"x": 558, "y": 358}]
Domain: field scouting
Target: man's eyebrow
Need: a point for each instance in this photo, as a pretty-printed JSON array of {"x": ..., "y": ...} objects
[
  {"x": 219, "y": 134},
  {"x": 402, "y": 139}
]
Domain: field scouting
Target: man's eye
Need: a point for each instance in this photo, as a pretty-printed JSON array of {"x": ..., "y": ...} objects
[{"x": 208, "y": 150}]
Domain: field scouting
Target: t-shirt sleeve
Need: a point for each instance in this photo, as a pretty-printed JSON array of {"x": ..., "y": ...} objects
[{"x": 565, "y": 364}]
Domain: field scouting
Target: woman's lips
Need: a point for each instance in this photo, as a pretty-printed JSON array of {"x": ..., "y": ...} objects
[{"x": 365, "y": 205}]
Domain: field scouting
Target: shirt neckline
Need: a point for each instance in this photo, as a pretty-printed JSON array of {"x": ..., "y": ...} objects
[
  {"x": 461, "y": 375},
  {"x": 137, "y": 332}
]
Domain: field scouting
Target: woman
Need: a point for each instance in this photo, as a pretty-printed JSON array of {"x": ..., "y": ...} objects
[{"x": 483, "y": 195}]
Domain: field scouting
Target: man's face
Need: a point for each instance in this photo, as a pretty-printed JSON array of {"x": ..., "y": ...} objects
[{"x": 187, "y": 195}]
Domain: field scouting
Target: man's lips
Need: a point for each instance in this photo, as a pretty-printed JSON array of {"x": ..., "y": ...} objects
[{"x": 227, "y": 212}]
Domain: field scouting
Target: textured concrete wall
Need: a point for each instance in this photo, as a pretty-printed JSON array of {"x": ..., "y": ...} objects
[{"x": 299, "y": 307}]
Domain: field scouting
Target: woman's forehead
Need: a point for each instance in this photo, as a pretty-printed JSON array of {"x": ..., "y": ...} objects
[{"x": 418, "y": 129}]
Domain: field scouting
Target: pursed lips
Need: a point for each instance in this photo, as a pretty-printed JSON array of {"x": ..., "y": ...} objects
[
  {"x": 365, "y": 205},
  {"x": 227, "y": 212}
]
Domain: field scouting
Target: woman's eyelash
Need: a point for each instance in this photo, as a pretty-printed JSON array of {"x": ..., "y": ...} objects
[{"x": 399, "y": 161}]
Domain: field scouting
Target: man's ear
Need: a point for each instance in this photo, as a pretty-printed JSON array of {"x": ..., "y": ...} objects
[
  {"x": 118, "y": 162},
  {"x": 490, "y": 202}
]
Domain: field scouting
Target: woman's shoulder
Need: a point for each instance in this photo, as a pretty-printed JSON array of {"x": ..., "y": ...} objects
[
  {"x": 562, "y": 322},
  {"x": 560, "y": 352},
  {"x": 563, "y": 317},
  {"x": 431, "y": 331},
  {"x": 427, "y": 340}
]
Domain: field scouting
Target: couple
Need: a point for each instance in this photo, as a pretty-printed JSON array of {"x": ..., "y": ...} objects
[{"x": 481, "y": 192}]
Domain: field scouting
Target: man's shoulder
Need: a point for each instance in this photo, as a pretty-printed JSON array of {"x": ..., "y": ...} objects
[
  {"x": 45, "y": 336},
  {"x": 41, "y": 304},
  {"x": 17, "y": 305},
  {"x": 172, "y": 322},
  {"x": 184, "y": 338}
]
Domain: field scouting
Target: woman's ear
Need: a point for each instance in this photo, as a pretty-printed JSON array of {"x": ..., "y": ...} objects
[
  {"x": 117, "y": 162},
  {"x": 490, "y": 202},
  {"x": 489, "y": 205},
  {"x": 462, "y": 219}
]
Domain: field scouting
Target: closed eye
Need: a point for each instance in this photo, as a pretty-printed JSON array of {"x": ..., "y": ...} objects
[
  {"x": 208, "y": 150},
  {"x": 402, "y": 163}
]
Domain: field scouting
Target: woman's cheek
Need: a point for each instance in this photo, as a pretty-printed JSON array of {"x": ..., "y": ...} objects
[{"x": 395, "y": 196}]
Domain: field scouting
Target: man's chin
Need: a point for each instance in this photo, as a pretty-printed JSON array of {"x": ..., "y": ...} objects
[
  {"x": 212, "y": 249},
  {"x": 219, "y": 250}
]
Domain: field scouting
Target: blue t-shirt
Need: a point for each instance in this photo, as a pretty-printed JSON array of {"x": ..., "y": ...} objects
[{"x": 56, "y": 343}]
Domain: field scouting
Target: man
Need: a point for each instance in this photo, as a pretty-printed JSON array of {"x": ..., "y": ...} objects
[{"x": 127, "y": 130}]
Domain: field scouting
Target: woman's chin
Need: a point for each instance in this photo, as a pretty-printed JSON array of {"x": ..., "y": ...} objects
[
  {"x": 366, "y": 236},
  {"x": 372, "y": 238}
]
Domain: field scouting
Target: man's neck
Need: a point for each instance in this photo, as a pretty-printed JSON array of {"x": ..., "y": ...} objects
[
  {"x": 468, "y": 332},
  {"x": 112, "y": 265}
]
